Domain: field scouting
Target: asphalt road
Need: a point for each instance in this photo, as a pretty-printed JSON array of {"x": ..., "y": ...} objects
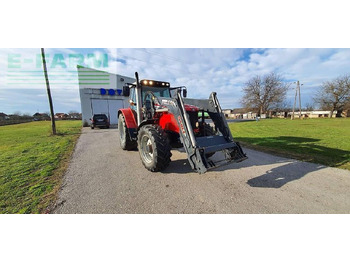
[{"x": 102, "y": 178}]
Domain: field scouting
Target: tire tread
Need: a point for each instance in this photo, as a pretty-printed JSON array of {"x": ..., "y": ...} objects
[
  {"x": 161, "y": 148},
  {"x": 129, "y": 143}
]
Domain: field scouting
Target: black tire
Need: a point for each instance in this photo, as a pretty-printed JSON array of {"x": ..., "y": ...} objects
[
  {"x": 154, "y": 148},
  {"x": 126, "y": 143},
  {"x": 92, "y": 127},
  {"x": 208, "y": 130}
]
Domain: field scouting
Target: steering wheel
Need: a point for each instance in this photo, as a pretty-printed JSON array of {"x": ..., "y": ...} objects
[{"x": 150, "y": 106}]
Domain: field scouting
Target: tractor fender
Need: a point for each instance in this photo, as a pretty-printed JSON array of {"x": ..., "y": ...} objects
[
  {"x": 129, "y": 117},
  {"x": 129, "y": 121},
  {"x": 146, "y": 122}
]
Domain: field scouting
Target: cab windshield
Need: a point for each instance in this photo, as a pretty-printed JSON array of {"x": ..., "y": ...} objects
[{"x": 157, "y": 91}]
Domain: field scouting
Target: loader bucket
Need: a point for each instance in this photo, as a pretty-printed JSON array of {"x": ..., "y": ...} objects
[{"x": 232, "y": 152}]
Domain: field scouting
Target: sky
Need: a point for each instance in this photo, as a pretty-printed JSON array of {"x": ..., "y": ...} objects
[{"x": 202, "y": 71}]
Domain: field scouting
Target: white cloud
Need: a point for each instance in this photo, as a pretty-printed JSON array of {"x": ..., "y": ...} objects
[
  {"x": 226, "y": 70},
  {"x": 201, "y": 70}
]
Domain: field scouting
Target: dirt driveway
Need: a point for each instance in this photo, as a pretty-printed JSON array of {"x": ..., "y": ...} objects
[{"x": 102, "y": 178}]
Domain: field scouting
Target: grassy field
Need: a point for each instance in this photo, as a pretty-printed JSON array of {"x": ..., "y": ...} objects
[
  {"x": 32, "y": 162},
  {"x": 325, "y": 141}
]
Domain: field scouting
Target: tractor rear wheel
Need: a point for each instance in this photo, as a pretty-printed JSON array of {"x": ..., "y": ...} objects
[
  {"x": 208, "y": 130},
  {"x": 126, "y": 143},
  {"x": 154, "y": 148}
]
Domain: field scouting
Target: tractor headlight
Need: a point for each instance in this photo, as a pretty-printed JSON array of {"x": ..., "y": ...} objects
[{"x": 154, "y": 83}]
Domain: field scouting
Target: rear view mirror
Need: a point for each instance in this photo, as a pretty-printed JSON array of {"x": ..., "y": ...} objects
[
  {"x": 184, "y": 93},
  {"x": 126, "y": 90}
]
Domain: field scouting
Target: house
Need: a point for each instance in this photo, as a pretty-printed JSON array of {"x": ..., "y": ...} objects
[
  {"x": 239, "y": 113},
  {"x": 279, "y": 114},
  {"x": 41, "y": 116},
  {"x": 3, "y": 116},
  {"x": 60, "y": 116},
  {"x": 312, "y": 114},
  {"x": 346, "y": 113},
  {"x": 226, "y": 112},
  {"x": 75, "y": 116},
  {"x": 236, "y": 113}
]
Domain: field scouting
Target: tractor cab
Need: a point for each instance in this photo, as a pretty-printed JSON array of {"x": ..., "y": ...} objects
[
  {"x": 159, "y": 89},
  {"x": 149, "y": 94}
]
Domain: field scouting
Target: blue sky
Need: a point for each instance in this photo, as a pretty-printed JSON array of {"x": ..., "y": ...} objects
[{"x": 22, "y": 86}]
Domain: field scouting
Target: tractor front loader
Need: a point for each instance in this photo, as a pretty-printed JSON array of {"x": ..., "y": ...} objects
[{"x": 159, "y": 119}]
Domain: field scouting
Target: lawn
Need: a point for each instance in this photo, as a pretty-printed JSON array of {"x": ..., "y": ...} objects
[
  {"x": 32, "y": 162},
  {"x": 324, "y": 141}
]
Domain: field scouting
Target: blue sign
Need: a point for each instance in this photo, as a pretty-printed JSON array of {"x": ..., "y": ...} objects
[
  {"x": 111, "y": 92},
  {"x": 119, "y": 92},
  {"x": 103, "y": 91}
]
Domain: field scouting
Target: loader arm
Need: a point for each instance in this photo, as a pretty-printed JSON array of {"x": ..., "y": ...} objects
[{"x": 197, "y": 148}]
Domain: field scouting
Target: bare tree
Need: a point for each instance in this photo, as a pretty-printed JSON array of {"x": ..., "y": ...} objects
[
  {"x": 346, "y": 110},
  {"x": 283, "y": 106},
  {"x": 334, "y": 95},
  {"x": 27, "y": 115},
  {"x": 263, "y": 93},
  {"x": 309, "y": 107}
]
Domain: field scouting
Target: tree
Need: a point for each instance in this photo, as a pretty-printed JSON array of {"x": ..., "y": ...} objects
[
  {"x": 334, "y": 95},
  {"x": 309, "y": 107},
  {"x": 264, "y": 93},
  {"x": 283, "y": 106},
  {"x": 27, "y": 115}
]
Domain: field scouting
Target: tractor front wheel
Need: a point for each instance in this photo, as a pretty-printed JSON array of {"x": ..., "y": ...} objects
[{"x": 154, "y": 148}]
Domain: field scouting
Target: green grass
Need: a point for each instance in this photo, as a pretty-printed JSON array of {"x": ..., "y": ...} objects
[
  {"x": 324, "y": 141},
  {"x": 32, "y": 162}
]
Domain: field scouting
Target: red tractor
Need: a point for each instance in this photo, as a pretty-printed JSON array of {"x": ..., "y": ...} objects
[{"x": 160, "y": 119}]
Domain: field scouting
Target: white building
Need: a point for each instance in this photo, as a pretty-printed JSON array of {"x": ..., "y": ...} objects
[
  {"x": 101, "y": 93},
  {"x": 313, "y": 114}
]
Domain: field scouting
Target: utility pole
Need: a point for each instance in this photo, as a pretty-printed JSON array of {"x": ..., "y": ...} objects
[
  {"x": 299, "y": 100},
  {"x": 48, "y": 93},
  {"x": 297, "y": 92},
  {"x": 295, "y": 100}
]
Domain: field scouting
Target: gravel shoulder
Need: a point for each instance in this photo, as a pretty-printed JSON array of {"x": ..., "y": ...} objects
[{"x": 102, "y": 178}]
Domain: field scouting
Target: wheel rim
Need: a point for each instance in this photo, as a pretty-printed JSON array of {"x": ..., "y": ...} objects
[
  {"x": 121, "y": 130},
  {"x": 146, "y": 149}
]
